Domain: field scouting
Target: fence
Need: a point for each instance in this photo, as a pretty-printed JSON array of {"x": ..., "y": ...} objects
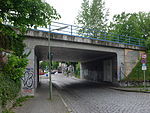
[
  {"x": 82, "y": 32},
  {"x": 72, "y": 30}
]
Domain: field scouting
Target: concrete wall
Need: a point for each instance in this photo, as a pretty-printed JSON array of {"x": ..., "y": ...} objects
[
  {"x": 92, "y": 70},
  {"x": 107, "y": 68},
  {"x": 100, "y": 70},
  {"x": 35, "y": 72},
  {"x": 28, "y": 80},
  {"x": 131, "y": 59}
]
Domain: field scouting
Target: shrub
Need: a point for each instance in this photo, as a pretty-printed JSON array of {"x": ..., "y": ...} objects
[
  {"x": 10, "y": 77},
  {"x": 9, "y": 89},
  {"x": 77, "y": 72}
]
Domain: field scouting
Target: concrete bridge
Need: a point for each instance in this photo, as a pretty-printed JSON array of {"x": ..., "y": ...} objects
[{"x": 101, "y": 60}]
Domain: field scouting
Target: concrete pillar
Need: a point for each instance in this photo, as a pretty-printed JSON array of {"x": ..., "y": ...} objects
[
  {"x": 114, "y": 69},
  {"x": 120, "y": 62},
  {"x": 108, "y": 70},
  {"x": 35, "y": 72},
  {"x": 100, "y": 70},
  {"x": 92, "y": 70},
  {"x": 81, "y": 71},
  {"x": 28, "y": 80},
  {"x": 38, "y": 79}
]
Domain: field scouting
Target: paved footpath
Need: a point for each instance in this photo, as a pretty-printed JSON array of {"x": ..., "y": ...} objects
[
  {"x": 83, "y": 96},
  {"x": 41, "y": 104}
]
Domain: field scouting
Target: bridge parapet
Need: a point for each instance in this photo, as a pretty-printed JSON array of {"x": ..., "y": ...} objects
[
  {"x": 93, "y": 34},
  {"x": 77, "y": 39}
]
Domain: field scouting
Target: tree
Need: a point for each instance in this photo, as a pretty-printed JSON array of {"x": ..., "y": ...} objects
[
  {"x": 131, "y": 24},
  {"x": 55, "y": 65},
  {"x": 148, "y": 43},
  {"x": 44, "y": 65},
  {"x": 93, "y": 16},
  {"x": 22, "y": 14},
  {"x": 134, "y": 25}
]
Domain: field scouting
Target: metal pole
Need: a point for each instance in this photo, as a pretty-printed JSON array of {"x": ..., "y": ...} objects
[
  {"x": 144, "y": 81},
  {"x": 49, "y": 58},
  {"x": 71, "y": 29}
]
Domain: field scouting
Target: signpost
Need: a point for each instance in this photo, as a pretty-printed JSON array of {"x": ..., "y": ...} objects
[
  {"x": 50, "y": 58},
  {"x": 144, "y": 67}
]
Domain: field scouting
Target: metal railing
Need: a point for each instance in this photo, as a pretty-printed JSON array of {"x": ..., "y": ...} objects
[{"x": 72, "y": 30}]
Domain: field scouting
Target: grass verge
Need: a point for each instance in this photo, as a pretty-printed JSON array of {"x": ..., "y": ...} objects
[{"x": 17, "y": 103}]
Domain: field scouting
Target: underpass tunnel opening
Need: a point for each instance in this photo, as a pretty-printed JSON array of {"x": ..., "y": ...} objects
[{"x": 97, "y": 66}]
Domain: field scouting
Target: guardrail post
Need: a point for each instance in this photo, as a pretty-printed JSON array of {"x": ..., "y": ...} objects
[
  {"x": 139, "y": 42},
  {"x": 118, "y": 38},
  {"x": 129, "y": 39},
  {"x": 105, "y": 36},
  {"x": 71, "y": 29}
]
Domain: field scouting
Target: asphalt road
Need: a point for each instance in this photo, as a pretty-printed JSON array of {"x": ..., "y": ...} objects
[{"x": 83, "y": 96}]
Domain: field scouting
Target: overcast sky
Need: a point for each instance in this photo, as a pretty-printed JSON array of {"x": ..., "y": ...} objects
[{"x": 68, "y": 9}]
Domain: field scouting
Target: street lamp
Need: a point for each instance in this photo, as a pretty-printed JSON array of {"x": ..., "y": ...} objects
[{"x": 50, "y": 59}]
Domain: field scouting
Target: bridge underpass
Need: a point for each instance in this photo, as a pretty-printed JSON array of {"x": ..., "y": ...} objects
[
  {"x": 95, "y": 65},
  {"x": 100, "y": 60}
]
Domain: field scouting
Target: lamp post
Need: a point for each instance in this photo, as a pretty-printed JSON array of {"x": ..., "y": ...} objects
[{"x": 50, "y": 59}]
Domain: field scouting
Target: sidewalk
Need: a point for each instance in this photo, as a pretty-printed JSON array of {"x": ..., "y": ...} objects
[
  {"x": 41, "y": 103},
  {"x": 132, "y": 89}
]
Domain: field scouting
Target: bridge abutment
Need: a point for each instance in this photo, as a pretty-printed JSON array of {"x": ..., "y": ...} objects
[
  {"x": 29, "y": 78},
  {"x": 100, "y": 70}
]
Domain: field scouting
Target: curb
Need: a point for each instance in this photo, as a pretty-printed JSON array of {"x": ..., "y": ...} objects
[
  {"x": 137, "y": 91},
  {"x": 65, "y": 104}
]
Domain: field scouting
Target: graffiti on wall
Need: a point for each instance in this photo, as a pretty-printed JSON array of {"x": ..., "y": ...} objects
[{"x": 28, "y": 79}]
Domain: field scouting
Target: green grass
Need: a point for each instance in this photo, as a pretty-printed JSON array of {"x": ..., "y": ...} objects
[
  {"x": 20, "y": 100},
  {"x": 17, "y": 103},
  {"x": 7, "y": 111}
]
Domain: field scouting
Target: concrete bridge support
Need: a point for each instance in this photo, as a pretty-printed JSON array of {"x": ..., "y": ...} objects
[
  {"x": 100, "y": 70},
  {"x": 28, "y": 80}
]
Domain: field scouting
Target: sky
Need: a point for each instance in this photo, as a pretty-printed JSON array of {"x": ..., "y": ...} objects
[{"x": 69, "y": 9}]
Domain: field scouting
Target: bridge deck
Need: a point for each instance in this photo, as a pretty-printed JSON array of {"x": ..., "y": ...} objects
[{"x": 72, "y": 30}]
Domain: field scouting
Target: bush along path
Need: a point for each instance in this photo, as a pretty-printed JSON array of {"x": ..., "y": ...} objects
[
  {"x": 12, "y": 40},
  {"x": 18, "y": 102},
  {"x": 10, "y": 77}
]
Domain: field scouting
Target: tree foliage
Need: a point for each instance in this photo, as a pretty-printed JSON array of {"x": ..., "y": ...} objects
[
  {"x": 148, "y": 43},
  {"x": 22, "y": 14},
  {"x": 55, "y": 65},
  {"x": 93, "y": 16},
  {"x": 10, "y": 76},
  {"x": 26, "y": 13},
  {"x": 14, "y": 68},
  {"x": 131, "y": 24},
  {"x": 16, "y": 16},
  {"x": 45, "y": 64}
]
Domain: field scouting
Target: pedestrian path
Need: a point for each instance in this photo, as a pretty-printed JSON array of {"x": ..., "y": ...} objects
[{"x": 41, "y": 103}]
